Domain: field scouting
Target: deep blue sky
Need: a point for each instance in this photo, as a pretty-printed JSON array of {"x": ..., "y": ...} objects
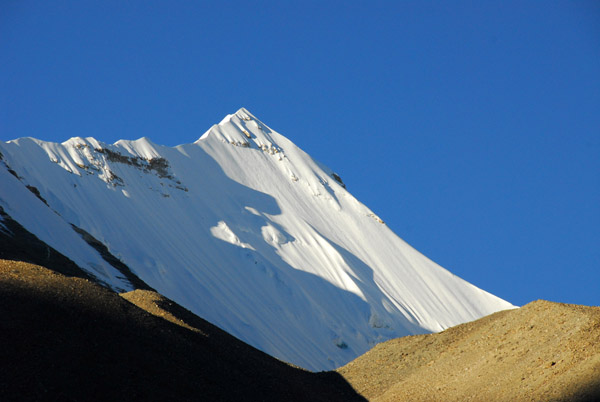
[{"x": 472, "y": 128}]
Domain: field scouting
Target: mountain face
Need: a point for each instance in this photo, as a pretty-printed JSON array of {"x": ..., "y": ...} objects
[{"x": 241, "y": 227}]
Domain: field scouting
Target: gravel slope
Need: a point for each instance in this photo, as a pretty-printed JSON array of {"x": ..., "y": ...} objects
[{"x": 543, "y": 351}]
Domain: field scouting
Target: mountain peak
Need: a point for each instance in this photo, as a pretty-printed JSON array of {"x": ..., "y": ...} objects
[
  {"x": 243, "y": 112},
  {"x": 243, "y": 228},
  {"x": 243, "y": 129}
]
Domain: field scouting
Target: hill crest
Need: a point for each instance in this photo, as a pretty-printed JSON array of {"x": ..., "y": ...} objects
[{"x": 541, "y": 351}]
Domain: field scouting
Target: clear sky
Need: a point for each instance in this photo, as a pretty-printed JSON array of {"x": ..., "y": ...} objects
[{"x": 471, "y": 127}]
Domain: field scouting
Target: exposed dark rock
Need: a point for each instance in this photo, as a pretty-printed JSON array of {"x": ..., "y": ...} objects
[
  {"x": 36, "y": 192},
  {"x": 111, "y": 259},
  {"x": 338, "y": 179}
]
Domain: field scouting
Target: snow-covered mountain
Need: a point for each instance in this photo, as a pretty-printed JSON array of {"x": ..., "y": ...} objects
[{"x": 244, "y": 229}]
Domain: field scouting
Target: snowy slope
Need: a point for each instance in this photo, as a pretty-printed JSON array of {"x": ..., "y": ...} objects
[
  {"x": 24, "y": 207},
  {"x": 247, "y": 231}
]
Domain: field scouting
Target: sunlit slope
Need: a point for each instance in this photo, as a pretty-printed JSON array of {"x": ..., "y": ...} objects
[
  {"x": 249, "y": 232},
  {"x": 541, "y": 352}
]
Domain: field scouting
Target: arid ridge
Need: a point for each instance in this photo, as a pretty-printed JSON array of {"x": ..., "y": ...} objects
[{"x": 541, "y": 352}]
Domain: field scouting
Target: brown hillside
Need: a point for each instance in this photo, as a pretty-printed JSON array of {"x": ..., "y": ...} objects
[
  {"x": 541, "y": 352},
  {"x": 68, "y": 339}
]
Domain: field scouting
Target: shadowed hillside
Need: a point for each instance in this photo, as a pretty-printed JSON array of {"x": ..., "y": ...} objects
[
  {"x": 541, "y": 352},
  {"x": 67, "y": 339},
  {"x": 18, "y": 244}
]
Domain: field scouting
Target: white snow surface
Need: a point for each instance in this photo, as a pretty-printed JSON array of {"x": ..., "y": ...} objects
[{"x": 244, "y": 229}]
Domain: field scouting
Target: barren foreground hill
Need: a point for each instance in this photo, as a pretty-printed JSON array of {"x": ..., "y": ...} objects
[
  {"x": 541, "y": 352},
  {"x": 68, "y": 339}
]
